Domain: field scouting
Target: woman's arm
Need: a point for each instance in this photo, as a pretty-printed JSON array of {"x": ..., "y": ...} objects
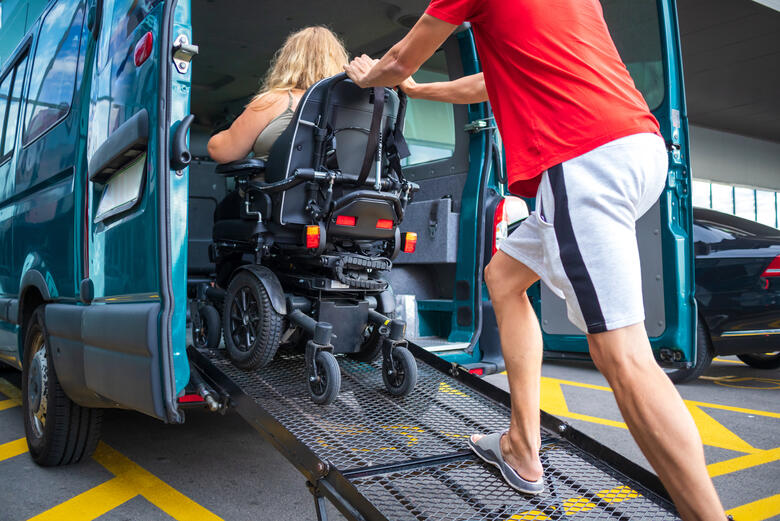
[
  {"x": 468, "y": 89},
  {"x": 237, "y": 141}
]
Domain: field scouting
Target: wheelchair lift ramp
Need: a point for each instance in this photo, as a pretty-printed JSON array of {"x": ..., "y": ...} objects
[{"x": 377, "y": 457}]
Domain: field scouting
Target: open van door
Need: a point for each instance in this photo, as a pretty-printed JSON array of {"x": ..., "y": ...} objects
[
  {"x": 132, "y": 328},
  {"x": 646, "y": 35}
]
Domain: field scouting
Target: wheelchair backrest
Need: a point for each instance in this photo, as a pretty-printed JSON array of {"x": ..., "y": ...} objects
[{"x": 348, "y": 110}]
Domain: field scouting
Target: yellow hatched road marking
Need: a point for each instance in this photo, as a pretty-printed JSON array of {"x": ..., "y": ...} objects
[
  {"x": 93, "y": 503},
  {"x": 712, "y": 432},
  {"x": 7, "y": 404},
  {"x": 717, "y": 359},
  {"x": 10, "y": 391},
  {"x": 130, "y": 481},
  {"x": 743, "y": 462},
  {"x": 530, "y": 515},
  {"x": 757, "y": 510},
  {"x": 13, "y": 448}
]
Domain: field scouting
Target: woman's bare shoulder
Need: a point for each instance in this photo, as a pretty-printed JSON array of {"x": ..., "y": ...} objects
[{"x": 269, "y": 100}]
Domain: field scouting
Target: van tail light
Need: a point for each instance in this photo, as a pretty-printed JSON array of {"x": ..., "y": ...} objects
[
  {"x": 408, "y": 242},
  {"x": 499, "y": 225},
  {"x": 346, "y": 220},
  {"x": 479, "y": 371},
  {"x": 143, "y": 49},
  {"x": 190, "y": 398},
  {"x": 773, "y": 270},
  {"x": 384, "y": 224},
  {"x": 313, "y": 236}
]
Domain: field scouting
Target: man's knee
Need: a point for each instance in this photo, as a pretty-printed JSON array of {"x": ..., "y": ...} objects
[
  {"x": 622, "y": 353},
  {"x": 507, "y": 278}
]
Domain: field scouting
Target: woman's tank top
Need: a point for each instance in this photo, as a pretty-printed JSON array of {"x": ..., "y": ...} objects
[{"x": 272, "y": 131}]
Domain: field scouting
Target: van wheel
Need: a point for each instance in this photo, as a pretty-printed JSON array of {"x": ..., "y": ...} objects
[
  {"x": 59, "y": 432},
  {"x": 761, "y": 360},
  {"x": 252, "y": 327},
  {"x": 207, "y": 331},
  {"x": 703, "y": 357}
]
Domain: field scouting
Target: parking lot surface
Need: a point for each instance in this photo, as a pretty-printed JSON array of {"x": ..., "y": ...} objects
[{"x": 217, "y": 467}]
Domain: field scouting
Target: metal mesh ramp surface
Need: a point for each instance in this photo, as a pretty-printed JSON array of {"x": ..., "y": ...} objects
[{"x": 408, "y": 456}]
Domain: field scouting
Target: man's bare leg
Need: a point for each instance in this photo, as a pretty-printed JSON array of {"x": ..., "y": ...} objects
[
  {"x": 521, "y": 341},
  {"x": 657, "y": 418}
]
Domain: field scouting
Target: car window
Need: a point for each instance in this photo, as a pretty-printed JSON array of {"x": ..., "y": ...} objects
[
  {"x": 429, "y": 126},
  {"x": 54, "y": 69},
  {"x": 722, "y": 227}
]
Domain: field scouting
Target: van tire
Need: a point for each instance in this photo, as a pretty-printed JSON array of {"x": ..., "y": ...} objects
[
  {"x": 69, "y": 432},
  {"x": 247, "y": 297},
  {"x": 703, "y": 357}
]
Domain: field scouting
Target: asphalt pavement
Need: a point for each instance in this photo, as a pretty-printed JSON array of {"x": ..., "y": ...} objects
[{"x": 217, "y": 467}]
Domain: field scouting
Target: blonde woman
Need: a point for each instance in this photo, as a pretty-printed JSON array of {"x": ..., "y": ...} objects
[{"x": 307, "y": 56}]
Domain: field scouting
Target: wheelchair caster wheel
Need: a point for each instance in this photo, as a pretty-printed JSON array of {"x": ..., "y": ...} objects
[
  {"x": 207, "y": 330},
  {"x": 399, "y": 371},
  {"x": 324, "y": 387}
]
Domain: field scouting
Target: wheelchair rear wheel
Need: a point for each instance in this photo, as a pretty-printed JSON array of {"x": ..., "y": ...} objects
[{"x": 252, "y": 327}]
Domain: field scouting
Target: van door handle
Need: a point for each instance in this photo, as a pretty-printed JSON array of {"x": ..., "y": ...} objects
[{"x": 180, "y": 152}]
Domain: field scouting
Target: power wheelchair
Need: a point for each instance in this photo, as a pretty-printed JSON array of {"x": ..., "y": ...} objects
[{"x": 303, "y": 266}]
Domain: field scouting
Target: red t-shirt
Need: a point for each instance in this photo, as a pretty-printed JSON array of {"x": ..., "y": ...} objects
[{"x": 554, "y": 77}]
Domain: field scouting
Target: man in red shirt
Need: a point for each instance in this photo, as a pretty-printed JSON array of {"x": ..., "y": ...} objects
[{"x": 579, "y": 136}]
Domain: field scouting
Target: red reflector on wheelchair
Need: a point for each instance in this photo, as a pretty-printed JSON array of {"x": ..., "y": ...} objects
[
  {"x": 384, "y": 224},
  {"x": 408, "y": 242},
  {"x": 312, "y": 236},
  {"x": 346, "y": 220}
]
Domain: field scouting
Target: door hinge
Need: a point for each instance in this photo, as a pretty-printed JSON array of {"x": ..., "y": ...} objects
[
  {"x": 183, "y": 52},
  {"x": 479, "y": 125}
]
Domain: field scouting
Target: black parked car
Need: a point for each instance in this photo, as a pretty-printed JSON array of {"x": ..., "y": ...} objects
[{"x": 737, "y": 290}]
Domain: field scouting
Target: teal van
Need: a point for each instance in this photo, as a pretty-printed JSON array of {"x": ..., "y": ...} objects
[{"x": 107, "y": 194}]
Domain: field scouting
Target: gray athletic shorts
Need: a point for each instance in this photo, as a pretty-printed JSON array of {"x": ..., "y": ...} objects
[{"x": 581, "y": 239}]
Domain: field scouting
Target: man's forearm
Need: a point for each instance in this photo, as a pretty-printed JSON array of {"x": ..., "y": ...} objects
[{"x": 469, "y": 89}]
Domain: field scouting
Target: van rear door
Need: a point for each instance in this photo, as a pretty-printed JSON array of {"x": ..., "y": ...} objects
[
  {"x": 646, "y": 35},
  {"x": 136, "y": 213}
]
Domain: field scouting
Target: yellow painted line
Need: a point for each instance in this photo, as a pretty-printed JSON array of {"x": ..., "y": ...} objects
[
  {"x": 91, "y": 504},
  {"x": 10, "y": 391},
  {"x": 716, "y": 359},
  {"x": 757, "y": 510},
  {"x": 13, "y": 448},
  {"x": 743, "y": 462},
  {"x": 713, "y": 433},
  {"x": 530, "y": 515},
  {"x": 152, "y": 488},
  {"x": 7, "y": 404}
]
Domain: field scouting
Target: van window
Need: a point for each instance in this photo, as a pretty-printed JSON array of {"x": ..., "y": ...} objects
[
  {"x": 14, "y": 107},
  {"x": 429, "y": 126},
  {"x": 54, "y": 69},
  {"x": 636, "y": 31},
  {"x": 5, "y": 94}
]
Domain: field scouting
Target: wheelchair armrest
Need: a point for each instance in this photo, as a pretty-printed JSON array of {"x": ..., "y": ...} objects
[{"x": 242, "y": 168}]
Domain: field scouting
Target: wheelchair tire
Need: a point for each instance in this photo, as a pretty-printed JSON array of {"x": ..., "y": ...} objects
[
  {"x": 326, "y": 388},
  {"x": 252, "y": 328},
  {"x": 210, "y": 328},
  {"x": 401, "y": 382}
]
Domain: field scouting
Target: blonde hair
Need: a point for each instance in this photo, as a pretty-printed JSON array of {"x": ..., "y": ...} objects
[{"x": 307, "y": 56}]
